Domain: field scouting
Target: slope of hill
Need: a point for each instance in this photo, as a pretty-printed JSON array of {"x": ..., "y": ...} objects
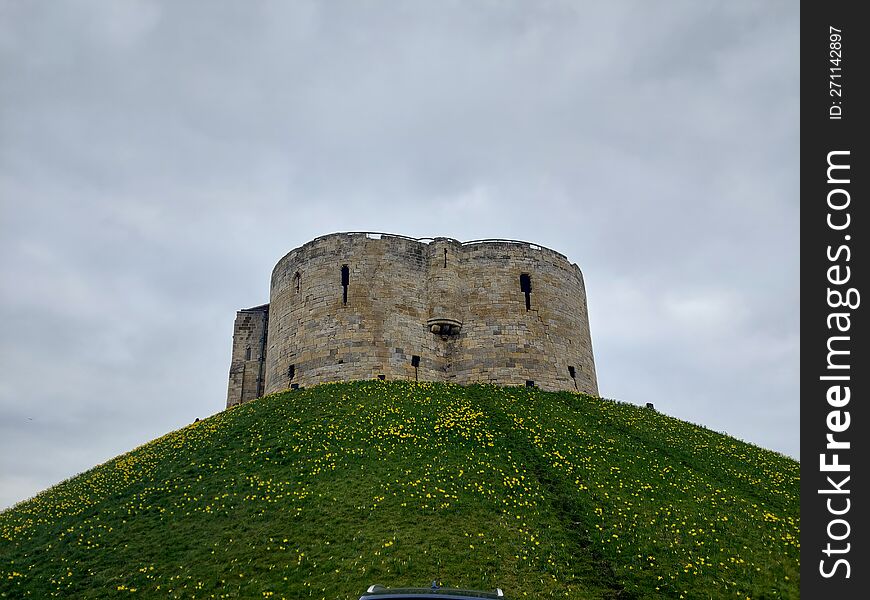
[{"x": 321, "y": 492}]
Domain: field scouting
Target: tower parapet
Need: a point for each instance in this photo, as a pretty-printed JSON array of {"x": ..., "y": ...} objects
[{"x": 351, "y": 306}]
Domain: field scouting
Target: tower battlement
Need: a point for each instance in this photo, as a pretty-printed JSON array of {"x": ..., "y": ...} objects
[{"x": 362, "y": 305}]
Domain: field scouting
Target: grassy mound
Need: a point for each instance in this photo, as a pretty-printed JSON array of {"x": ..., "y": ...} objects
[{"x": 321, "y": 492}]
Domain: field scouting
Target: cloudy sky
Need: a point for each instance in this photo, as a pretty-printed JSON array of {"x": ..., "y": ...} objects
[{"x": 158, "y": 158}]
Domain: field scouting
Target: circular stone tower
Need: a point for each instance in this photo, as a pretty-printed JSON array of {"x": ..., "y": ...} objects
[{"x": 351, "y": 306}]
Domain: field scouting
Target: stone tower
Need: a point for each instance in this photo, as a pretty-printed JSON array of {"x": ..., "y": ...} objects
[{"x": 351, "y": 306}]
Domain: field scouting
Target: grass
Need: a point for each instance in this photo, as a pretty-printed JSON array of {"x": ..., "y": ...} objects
[{"x": 321, "y": 492}]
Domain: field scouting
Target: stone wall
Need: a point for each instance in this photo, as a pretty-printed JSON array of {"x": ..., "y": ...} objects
[
  {"x": 458, "y": 307},
  {"x": 247, "y": 367}
]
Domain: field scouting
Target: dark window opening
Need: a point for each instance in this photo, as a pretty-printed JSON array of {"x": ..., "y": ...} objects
[
  {"x": 445, "y": 258},
  {"x": 382, "y": 377},
  {"x": 294, "y": 386},
  {"x": 248, "y": 353},
  {"x": 530, "y": 383},
  {"x": 526, "y": 287},
  {"x": 415, "y": 362},
  {"x": 291, "y": 372},
  {"x": 297, "y": 279},
  {"x": 571, "y": 372},
  {"x": 345, "y": 280}
]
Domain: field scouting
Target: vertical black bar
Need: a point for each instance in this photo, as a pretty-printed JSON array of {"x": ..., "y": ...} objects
[
  {"x": 526, "y": 287},
  {"x": 835, "y": 223}
]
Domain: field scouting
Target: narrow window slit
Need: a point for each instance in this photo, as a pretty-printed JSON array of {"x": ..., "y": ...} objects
[
  {"x": 297, "y": 279},
  {"x": 345, "y": 280},
  {"x": 526, "y": 288},
  {"x": 445, "y": 258},
  {"x": 291, "y": 372},
  {"x": 248, "y": 353}
]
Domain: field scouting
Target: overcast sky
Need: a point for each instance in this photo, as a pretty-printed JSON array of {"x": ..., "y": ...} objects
[{"x": 158, "y": 158}]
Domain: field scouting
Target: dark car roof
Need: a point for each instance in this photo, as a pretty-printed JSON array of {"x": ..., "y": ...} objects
[{"x": 382, "y": 593}]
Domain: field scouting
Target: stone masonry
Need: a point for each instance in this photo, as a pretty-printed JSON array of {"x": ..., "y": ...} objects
[
  {"x": 349, "y": 306},
  {"x": 247, "y": 368}
]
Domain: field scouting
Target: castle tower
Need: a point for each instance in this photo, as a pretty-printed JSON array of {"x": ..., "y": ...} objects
[
  {"x": 350, "y": 306},
  {"x": 247, "y": 372}
]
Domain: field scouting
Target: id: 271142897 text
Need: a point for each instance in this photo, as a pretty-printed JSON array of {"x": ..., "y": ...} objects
[{"x": 835, "y": 81}]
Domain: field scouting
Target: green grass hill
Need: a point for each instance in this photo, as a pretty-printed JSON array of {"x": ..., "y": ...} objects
[{"x": 319, "y": 493}]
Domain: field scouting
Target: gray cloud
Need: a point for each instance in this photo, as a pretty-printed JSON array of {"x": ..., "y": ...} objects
[{"x": 157, "y": 158}]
